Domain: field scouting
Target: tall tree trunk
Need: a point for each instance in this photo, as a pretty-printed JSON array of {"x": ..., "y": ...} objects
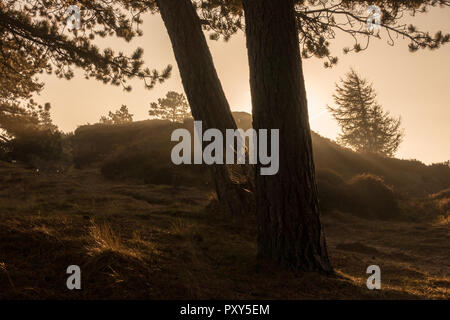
[
  {"x": 205, "y": 95},
  {"x": 289, "y": 227}
]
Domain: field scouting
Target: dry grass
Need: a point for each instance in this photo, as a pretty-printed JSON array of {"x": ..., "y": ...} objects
[
  {"x": 105, "y": 238},
  {"x": 180, "y": 227},
  {"x": 5, "y": 271},
  {"x": 442, "y": 221}
]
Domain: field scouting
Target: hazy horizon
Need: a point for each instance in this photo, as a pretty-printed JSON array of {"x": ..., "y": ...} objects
[{"x": 410, "y": 85}]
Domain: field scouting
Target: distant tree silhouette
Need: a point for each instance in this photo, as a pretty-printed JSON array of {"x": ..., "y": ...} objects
[
  {"x": 365, "y": 126},
  {"x": 120, "y": 116},
  {"x": 174, "y": 107}
]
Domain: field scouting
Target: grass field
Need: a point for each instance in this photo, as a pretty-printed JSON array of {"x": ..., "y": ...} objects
[{"x": 164, "y": 242}]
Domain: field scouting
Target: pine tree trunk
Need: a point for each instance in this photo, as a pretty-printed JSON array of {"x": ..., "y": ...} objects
[
  {"x": 205, "y": 95},
  {"x": 289, "y": 227}
]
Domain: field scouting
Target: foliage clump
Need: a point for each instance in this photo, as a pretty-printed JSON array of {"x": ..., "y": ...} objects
[{"x": 174, "y": 107}]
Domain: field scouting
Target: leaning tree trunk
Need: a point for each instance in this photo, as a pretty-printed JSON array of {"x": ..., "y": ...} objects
[
  {"x": 289, "y": 228},
  {"x": 205, "y": 95}
]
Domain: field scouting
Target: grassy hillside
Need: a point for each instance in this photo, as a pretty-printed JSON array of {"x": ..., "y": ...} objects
[
  {"x": 142, "y": 228},
  {"x": 370, "y": 186}
]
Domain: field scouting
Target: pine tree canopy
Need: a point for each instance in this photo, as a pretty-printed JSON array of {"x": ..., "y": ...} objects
[
  {"x": 365, "y": 126},
  {"x": 320, "y": 22},
  {"x": 34, "y": 38},
  {"x": 120, "y": 116},
  {"x": 174, "y": 107}
]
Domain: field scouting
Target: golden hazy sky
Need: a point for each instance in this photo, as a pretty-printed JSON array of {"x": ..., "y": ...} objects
[{"x": 414, "y": 86}]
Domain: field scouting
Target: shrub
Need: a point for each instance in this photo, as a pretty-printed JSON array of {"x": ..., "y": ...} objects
[
  {"x": 365, "y": 195},
  {"x": 442, "y": 201},
  {"x": 331, "y": 190},
  {"x": 372, "y": 198},
  {"x": 41, "y": 144}
]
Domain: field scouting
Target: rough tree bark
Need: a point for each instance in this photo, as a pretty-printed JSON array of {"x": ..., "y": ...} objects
[
  {"x": 289, "y": 227},
  {"x": 206, "y": 96}
]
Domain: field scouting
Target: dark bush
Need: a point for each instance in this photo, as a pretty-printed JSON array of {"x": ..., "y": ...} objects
[
  {"x": 372, "y": 198},
  {"x": 442, "y": 201},
  {"x": 331, "y": 188},
  {"x": 41, "y": 144},
  {"x": 365, "y": 195}
]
